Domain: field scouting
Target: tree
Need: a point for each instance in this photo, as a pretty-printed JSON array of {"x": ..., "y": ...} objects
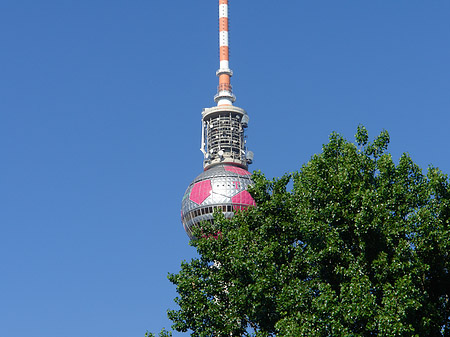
[
  {"x": 162, "y": 333},
  {"x": 355, "y": 246}
]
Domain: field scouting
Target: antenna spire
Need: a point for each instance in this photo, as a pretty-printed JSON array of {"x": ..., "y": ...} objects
[{"x": 224, "y": 94}]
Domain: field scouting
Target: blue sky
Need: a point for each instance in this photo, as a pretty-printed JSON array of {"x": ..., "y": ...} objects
[{"x": 100, "y": 106}]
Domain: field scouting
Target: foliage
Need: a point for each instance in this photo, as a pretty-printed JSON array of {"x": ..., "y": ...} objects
[
  {"x": 359, "y": 246},
  {"x": 162, "y": 333}
]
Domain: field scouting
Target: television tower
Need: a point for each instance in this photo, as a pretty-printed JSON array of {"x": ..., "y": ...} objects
[{"x": 223, "y": 183}]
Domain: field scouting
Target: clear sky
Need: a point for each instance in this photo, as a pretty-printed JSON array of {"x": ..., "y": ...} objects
[{"x": 100, "y": 106}]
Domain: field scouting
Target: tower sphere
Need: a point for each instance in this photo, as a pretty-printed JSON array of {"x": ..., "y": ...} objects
[{"x": 221, "y": 187}]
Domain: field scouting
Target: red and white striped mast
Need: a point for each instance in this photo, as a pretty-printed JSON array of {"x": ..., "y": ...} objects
[
  {"x": 224, "y": 91},
  {"x": 223, "y": 140}
]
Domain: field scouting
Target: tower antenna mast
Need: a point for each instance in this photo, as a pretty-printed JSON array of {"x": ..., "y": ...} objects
[{"x": 224, "y": 90}]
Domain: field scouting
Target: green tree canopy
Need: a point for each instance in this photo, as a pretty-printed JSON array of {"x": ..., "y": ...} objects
[
  {"x": 355, "y": 246},
  {"x": 162, "y": 333}
]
